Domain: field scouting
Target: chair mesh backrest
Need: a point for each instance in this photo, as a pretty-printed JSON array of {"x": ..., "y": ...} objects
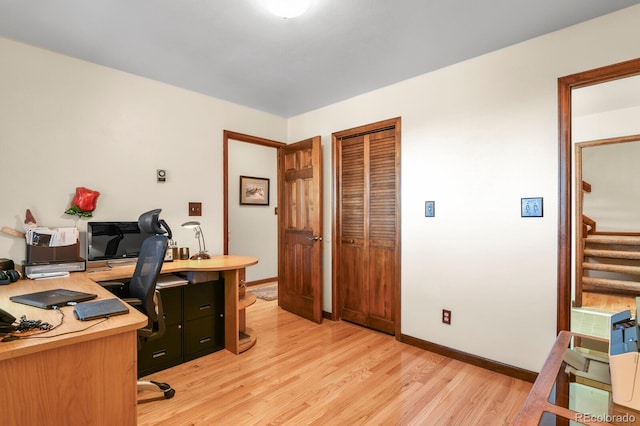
[{"x": 143, "y": 282}]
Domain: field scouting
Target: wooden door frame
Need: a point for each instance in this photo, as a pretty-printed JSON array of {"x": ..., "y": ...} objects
[
  {"x": 565, "y": 209},
  {"x": 367, "y": 128},
  {"x": 240, "y": 137}
]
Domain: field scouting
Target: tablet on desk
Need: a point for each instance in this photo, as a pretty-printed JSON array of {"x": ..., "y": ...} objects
[
  {"x": 99, "y": 309},
  {"x": 49, "y": 298}
]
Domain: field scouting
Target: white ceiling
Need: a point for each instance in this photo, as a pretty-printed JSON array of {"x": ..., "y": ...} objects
[{"x": 235, "y": 50}]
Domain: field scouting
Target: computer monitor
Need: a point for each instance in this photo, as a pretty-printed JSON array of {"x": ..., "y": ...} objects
[{"x": 114, "y": 240}]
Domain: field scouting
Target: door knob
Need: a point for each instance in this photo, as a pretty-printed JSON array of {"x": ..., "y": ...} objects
[{"x": 314, "y": 238}]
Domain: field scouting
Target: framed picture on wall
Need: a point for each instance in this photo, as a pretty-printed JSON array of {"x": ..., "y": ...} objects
[{"x": 254, "y": 191}]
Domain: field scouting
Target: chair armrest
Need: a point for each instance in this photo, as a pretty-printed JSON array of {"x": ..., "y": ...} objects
[
  {"x": 157, "y": 326},
  {"x": 132, "y": 301}
]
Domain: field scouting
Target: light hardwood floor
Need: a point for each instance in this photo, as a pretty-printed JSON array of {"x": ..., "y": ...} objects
[
  {"x": 334, "y": 373},
  {"x": 609, "y": 301}
]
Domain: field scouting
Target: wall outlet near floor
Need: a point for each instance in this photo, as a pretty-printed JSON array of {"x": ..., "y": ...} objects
[{"x": 446, "y": 316}]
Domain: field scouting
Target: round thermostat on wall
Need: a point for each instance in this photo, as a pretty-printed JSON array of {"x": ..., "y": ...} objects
[{"x": 161, "y": 175}]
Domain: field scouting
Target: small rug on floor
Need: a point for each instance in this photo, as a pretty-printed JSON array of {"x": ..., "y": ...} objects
[{"x": 269, "y": 292}]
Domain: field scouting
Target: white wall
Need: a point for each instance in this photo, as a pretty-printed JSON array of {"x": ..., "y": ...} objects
[
  {"x": 601, "y": 111},
  {"x": 476, "y": 137},
  {"x": 253, "y": 229},
  {"x": 66, "y": 123}
]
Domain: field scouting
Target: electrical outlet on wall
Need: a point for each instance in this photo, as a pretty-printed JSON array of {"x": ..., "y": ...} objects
[{"x": 446, "y": 316}]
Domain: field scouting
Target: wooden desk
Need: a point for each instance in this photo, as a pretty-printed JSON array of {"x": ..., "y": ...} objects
[
  {"x": 231, "y": 268},
  {"x": 86, "y": 377},
  {"x": 89, "y": 377}
]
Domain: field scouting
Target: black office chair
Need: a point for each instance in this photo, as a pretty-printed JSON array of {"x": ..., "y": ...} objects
[{"x": 141, "y": 291}]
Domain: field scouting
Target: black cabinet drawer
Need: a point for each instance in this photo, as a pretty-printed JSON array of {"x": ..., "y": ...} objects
[
  {"x": 162, "y": 353},
  {"x": 205, "y": 299},
  {"x": 172, "y": 304},
  {"x": 203, "y": 335}
]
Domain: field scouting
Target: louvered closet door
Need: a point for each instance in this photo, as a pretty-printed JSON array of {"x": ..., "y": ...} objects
[
  {"x": 353, "y": 284},
  {"x": 368, "y": 229}
]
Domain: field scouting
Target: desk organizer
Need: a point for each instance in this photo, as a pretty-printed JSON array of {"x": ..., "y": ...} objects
[{"x": 43, "y": 254}]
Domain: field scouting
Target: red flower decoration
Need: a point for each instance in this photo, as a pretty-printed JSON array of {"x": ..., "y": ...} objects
[{"x": 84, "y": 202}]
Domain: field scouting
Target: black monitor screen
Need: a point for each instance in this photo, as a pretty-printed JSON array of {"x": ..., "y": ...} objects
[{"x": 113, "y": 240}]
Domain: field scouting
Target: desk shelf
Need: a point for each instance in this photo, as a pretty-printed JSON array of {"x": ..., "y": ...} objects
[
  {"x": 246, "y": 301},
  {"x": 248, "y": 338}
]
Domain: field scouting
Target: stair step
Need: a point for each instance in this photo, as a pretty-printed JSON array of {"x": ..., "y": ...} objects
[
  {"x": 606, "y": 284},
  {"x": 614, "y": 254},
  {"x": 609, "y": 267},
  {"x": 613, "y": 239}
]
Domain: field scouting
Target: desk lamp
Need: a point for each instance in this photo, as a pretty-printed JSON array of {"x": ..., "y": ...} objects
[{"x": 202, "y": 254}]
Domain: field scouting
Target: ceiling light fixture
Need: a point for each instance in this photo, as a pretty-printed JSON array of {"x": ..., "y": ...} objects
[{"x": 287, "y": 8}]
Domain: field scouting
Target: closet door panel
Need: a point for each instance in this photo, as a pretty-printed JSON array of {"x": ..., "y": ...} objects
[
  {"x": 354, "y": 292},
  {"x": 381, "y": 281},
  {"x": 382, "y": 229}
]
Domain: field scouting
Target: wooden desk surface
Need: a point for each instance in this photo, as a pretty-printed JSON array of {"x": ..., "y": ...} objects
[
  {"x": 76, "y": 281},
  {"x": 216, "y": 263}
]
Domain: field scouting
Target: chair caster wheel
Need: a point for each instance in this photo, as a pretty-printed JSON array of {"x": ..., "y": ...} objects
[{"x": 169, "y": 392}]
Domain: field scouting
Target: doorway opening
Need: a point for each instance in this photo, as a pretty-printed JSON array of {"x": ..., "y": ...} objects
[
  {"x": 567, "y": 224},
  {"x": 263, "y": 214}
]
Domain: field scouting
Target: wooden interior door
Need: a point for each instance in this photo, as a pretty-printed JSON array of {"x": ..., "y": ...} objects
[
  {"x": 366, "y": 240},
  {"x": 300, "y": 228}
]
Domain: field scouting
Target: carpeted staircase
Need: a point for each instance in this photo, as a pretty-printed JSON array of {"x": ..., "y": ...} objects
[{"x": 611, "y": 263}]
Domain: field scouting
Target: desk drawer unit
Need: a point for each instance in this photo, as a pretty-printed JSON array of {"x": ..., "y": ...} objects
[
  {"x": 194, "y": 315},
  {"x": 162, "y": 353},
  {"x": 203, "y": 300},
  {"x": 172, "y": 304},
  {"x": 203, "y": 336},
  {"x": 203, "y": 318}
]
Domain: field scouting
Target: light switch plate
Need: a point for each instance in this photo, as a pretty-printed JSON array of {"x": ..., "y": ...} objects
[
  {"x": 429, "y": 208},
  {"x": 195, "y": 209},
  {"x": 531, "y": 207}
]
